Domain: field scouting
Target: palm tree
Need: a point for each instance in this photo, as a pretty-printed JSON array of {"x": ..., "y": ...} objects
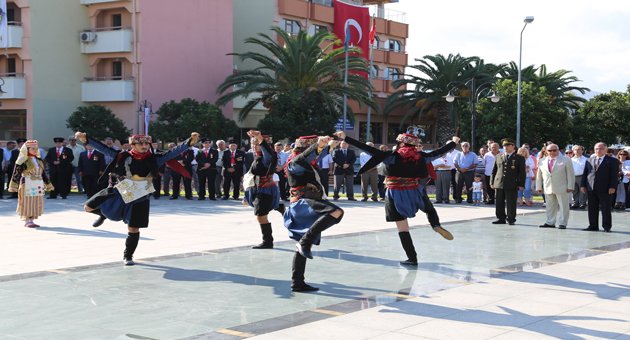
[
  {"x": 439, "y": 75},
  {"x": 298, "y": 66},
  {"x": 558, "y": 84}
]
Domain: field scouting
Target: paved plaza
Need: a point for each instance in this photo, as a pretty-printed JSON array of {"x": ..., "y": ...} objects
[{"x": 197, "y": 277}]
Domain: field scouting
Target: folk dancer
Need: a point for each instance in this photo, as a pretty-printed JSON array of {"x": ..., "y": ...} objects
[
  {"x": 29, "y": 181},
  {"x": 263, "y": 194},
  {"x": 406, "y": 173},
  {"x": 309, "y": 213},
  {"x": 137, "y": 165}
]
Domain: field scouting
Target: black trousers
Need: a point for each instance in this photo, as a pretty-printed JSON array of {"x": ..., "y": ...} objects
[
  {"x": 61, "y": 179},
  {"x": 157, "y": 185},
  {"x": 325, "y": 178},
  {"x": 506, "y": 198},
  {"x": 90, "y": 184},
  {"x": 464, "y": 179},
  {"x": 489, "y": 191},
  {"x": 1, "y": 182},
  {"x": 599, "y": 201},
  {"x": 177, "y": 179},
  {"x": 381, "y": 186},
  {"x": 233, "y": 178},
  {"x": 206, "y": 179},
  {"x": 283, "y": 185}
]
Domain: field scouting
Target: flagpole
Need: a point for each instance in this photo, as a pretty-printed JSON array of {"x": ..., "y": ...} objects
[
  {"x": 345, "y": 85},
  {"x": 369, "y": 112}
]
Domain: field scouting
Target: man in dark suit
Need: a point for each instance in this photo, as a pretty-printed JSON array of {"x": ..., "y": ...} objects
[
  {"x": 59, "y": 161},
  {"x": 11, "y": 166},
  {"x": 207, "y": 169},
  {"x": 157, "y": 180},
  {"x": 233, "y": 161},
  {"x": 599, "y": 181},
  {"x": 185, "y": 159},
  {"x": 91, "y": 167},
  {"x": 508, "y": 176},
  {"x": 344, "y": 159}
]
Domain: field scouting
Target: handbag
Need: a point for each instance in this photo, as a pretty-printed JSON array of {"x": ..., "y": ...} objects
[
  {"x": 249, "y": 180},
  {"x": 33, "y": 187}
]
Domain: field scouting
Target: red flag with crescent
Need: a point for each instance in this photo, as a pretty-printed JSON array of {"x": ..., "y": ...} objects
[{"x": 355, "y": 21}]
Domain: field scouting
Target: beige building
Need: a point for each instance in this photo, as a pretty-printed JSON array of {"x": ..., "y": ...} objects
[{"x": 389, "y": 55}]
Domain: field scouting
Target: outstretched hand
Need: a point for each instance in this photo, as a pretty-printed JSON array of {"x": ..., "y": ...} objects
[
  {"x": 81, "y": 136},
  {"x": 194, "y": 138},
  {"x": 456, "y": 139},
  {"x": 340, "y": 134}
]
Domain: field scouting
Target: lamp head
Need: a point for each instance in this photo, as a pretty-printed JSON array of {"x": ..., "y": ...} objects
[
  {"x": 495, "y": 98},
  {"x": 528, "y": 19},
  {"x": 449, "y": 97}
]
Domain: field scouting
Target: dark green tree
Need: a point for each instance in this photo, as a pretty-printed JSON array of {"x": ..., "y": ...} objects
[
  {"x": 604, "y": 118},
  {"x": 298, "y": 70},
  {"x": 179, "y": 119},
  {"x": 98, "y": 122}
]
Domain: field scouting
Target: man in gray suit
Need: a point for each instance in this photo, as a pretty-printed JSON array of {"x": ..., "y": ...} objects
[{"x": 556, "y": 177}]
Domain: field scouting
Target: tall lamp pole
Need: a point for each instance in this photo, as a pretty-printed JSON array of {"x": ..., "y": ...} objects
[{"x": 527, "y": 20}]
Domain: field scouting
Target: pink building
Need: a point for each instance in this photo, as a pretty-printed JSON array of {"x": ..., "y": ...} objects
[{"x": 155, "y": 51}]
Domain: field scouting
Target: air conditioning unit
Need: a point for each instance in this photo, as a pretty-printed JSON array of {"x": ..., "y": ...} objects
[{"x": 87, "y": 36}]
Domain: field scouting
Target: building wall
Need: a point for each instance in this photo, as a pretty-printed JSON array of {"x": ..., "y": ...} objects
[
  {"x": 57, "y": 66},
  {"x": 183, "y": 51}
]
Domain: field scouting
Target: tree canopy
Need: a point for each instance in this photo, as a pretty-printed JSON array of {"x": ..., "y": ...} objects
[{"x": 98, "y": 122}]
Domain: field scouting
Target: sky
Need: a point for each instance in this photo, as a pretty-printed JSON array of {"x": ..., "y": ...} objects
[{"x": 589, "y": 38}]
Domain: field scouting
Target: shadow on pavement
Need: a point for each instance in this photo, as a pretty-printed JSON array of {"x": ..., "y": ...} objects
[{"x": 87, "y": 232}]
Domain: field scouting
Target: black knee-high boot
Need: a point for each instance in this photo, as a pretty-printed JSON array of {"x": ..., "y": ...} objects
[
  {"x": 267, "y": 237},
  {"x": 100, "y": 220},
  {"x": 297, "y": 276},
  {"x": 130, "y": 247},
  {"x": 410, "y": 250},
  {"x": 322, "y": 223}
]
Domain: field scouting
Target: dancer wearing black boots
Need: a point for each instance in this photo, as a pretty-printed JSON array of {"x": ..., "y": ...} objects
[
  {"x": 129, "y": 199},
  {"x": 406, "y": 174},
  {"x": 309, "y": 213},
  {"x": 263, "y": 194}
]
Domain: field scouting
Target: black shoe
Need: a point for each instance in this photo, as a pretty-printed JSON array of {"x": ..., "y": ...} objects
[
  {"x": 174, "y": 197},
  {"x": 99, "y": 221},
  {"x": 547, "y": 226},
  {"x": 304, "y": 250},
  {"x": 335, "y": 198},
  {"x": 128, "y": 262},
  {"x": 498, "y": 222},
  {"x": 51, "y": 197},
  {"x": 188, "y": 198},
  {"x": 201, "y": 199},
  {"x": 437, "y": 202},
  {"x": 511, "y": 222},
  {"x": 363, "y": 199},
  {"x": 236, "y": 198},
  {"x": 212, "y": 198},
  {"x": 264, "y": 245},
  {"x": 156, "y": 197},
  {"x": 409, "y": 262},
  {"x": 607, "y": 230},
  {"x": 225, "y": 198},
  {"x": 281, "y": 208},
  {"x": 489, "y": 202},
  {"x": 64, "y": 197},
  {"x": 589, "y": 228},
  {"x": 375, "y": 199},
  {"x": 303, "y": 287},
  {"x": 458, "y": 201},
  {"x": 562, "y": 227},
  {"x": 583, "y": 206},
  {"x": 447, "y": 202},
  {"x": 574, "y": 207},
  {"x": 351, "y": 199}
]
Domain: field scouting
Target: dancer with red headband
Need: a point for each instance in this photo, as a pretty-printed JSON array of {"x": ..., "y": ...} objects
[
  {"x": 129, "y": 199},
  {"x": 309, "y": 213},
  {"x": 261, "y": 192},
  {"x": 406, "y": 173},
  {"x": 29, "y": 180}
]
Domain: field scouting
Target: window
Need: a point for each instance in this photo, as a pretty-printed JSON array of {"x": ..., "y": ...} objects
[
  {"x": 10, "y": 14},
  {"x": 374, "y": 73},
  {"x": 117, "y": 70},
  {"x": 323, "y": 2},
  {"x": 320, "y": 28},
  {"x": 116, "y": 21},
  {"x": 394, "y": 45},
  {"x": 291, "y": 26},
  {"x": 376, "y": 132},
  {"x": 12, "y": 124},
  {"x": 11, "y": 67},
  {"x": 392, "y": 73},
  {"x": 376, "y": 43}
]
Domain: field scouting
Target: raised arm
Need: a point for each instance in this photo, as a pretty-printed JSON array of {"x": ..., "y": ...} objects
[
  {"x": 194, "y": 137},
  {"x": 268, "y": 156}
]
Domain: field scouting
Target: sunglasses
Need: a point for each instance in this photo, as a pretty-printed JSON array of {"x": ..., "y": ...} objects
[{"x": 550, "y": 150}]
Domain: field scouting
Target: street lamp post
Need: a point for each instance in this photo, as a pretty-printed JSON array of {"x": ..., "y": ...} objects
[
  {"x": 527, "y": 20},
  {"x": 476, "y": 93}
]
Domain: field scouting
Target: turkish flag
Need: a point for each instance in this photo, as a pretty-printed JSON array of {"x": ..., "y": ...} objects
[{"x": 353, "y": 21}]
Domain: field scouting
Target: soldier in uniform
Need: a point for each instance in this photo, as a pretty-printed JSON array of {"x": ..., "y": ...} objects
[
  {"x": 508, "y": 176},
  {"x": 207, "y": 170},
  {"x": 59, "y": 161},
  {"x": 91, "y": 166}
]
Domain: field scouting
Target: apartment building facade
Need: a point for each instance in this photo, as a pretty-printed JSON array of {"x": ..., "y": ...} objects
[{"x": 122, "y": 54}]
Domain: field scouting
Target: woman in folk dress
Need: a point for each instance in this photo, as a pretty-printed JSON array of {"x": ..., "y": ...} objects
[{"x": 29, "y": 180}]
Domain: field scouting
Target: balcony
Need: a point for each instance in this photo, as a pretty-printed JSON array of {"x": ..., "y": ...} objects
[
  {"x": 14, "y": 33},
  {"x": 107, "y": 90},
  {"x": 296, "y": 8},
  {"x": 14, "y": 86},
  {"x": 92, "y": 2},
  {"x": 106, "y": 40},
  {"x": 397, "y": 58}
]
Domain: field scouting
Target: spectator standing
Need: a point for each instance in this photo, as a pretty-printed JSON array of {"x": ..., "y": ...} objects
[
  {"x": 167, "y": 174},
  {"x": 207, "y": 170},
  {"x": 489, "y": 164},
  {"x": 525, "y": 194},
  {"x": 91, "y": 165},
  {"x": 369, "y": 177},
  {"x": 233, "y": 160},
  {"x": 556, "y": 178},
  {"x": 622, "y": 187},
  {"x": 508, "y": 176},
  {"x": 381, "y": 169},
  {"x": 76, "y": 152},
  {"x": 344, "y": 170},
  {"x": 579, "y": 162},
  {"x": 443, "y": 166},
  {"x": 465, "y": 164},
  {"x": 59, "y": 161},
  {"x": 599, "y": 181},
  {"x": 325, "y": 170},
  {"x": 218, "y": 181}
]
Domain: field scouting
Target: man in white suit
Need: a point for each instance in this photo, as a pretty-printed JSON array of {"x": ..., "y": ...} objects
[{"x": 557, "y": 178}]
